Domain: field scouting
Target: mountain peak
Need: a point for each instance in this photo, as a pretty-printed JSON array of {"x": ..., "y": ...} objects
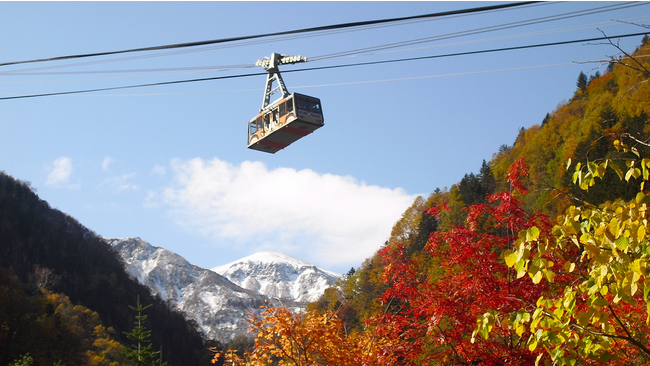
[
  {"x": 212, "y": 301},
  {"x": 217, "y": 298},
  {"x": 279, "y": 275},
  {"x": 265, "y": 257}
]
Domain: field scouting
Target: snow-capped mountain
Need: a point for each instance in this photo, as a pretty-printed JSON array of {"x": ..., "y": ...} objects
[
  {"x": 218, "y": 303},
  {"x": 279, "y": 276},
  {"x": 218, "y": 306}
]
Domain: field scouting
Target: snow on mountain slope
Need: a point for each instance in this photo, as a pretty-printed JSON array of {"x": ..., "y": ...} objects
[
  {"x": 218, "y": 306},
  {"x": 279, "y": 275}
]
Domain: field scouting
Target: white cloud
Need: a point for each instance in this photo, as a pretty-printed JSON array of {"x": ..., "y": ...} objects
[
  {"x": 59, "y": 171},
  {"x": 325, "y": 218},
  {"x": 159, "y": 170},
  {"x": 121, "y": 183},
  {"x": 107, "y": 161}
]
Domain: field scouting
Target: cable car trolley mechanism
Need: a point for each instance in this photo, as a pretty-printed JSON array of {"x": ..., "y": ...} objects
[{"x": 286, "y": 120}]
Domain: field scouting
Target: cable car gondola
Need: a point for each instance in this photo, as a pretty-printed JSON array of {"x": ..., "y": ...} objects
[{"x": 286, "y": 120}]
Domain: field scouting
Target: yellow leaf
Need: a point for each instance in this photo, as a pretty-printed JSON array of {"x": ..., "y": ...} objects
[
  {"x": 603, "y": 290},
  {"x": 617, "y": 145},
  {"x": 532, "y": 234},
  {"x": 510, "y": 258},
  {"x": 569, "y": 266},
  {"x": 618, "y": 171},
  {"x": 640, "y": 234},
  {"x": 582, "y": 318}
]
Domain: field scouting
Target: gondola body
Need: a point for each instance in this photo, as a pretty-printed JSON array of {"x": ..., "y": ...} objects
[{"x": 284, "y": 122}]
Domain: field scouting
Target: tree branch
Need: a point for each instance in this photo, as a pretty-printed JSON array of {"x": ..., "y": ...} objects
[
  {"x": 640, "y": 67},
  {"x": 630, "y": 337}
]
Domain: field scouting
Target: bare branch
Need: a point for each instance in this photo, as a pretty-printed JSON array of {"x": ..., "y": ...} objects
[
  {"x": 638, "y": 25},
  {"x": 639, "y": 66},
  {"x": 43, "y": 278}
]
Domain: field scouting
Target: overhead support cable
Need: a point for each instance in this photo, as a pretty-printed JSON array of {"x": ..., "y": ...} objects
[
  {"x": 475, "y": 52},
  {"x": 133, "y": 86},
  {"x": 304, "y": 30},
  {"x": 332, "y": 66},
  {"x": 367, "y": 50},
  {"x": 481, "y": 30}
]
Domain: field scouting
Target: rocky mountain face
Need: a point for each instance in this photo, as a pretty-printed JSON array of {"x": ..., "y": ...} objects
[
  {"x": 219, "y": 304},
  {"x": 279, "y": 276}
]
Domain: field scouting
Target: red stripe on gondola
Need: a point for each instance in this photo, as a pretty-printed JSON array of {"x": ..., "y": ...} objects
[
  {"x": 296, "y": 131},
  {"x": 276, "y": 144}
]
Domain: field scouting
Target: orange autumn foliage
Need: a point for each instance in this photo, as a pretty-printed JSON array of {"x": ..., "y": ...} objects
[{"x": 285, "y": 338}]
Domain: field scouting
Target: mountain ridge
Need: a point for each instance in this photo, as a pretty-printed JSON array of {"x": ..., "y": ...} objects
[
  {"x": 279, "y": 275},
  {"x": 218, "y": 305}
]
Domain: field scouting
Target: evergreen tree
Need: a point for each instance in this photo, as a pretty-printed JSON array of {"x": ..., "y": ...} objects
[
  {"x": 474, "y": 188},
  {"x": 546, "y": 119},
  {"x": 582, "y": 82},
  {"x": 470, "y": 189},
  {"x": 140, "y": 352},
  {"x": 488, "y": 182}
]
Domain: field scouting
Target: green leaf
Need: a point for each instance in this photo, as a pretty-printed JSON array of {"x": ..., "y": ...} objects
[
  {"x": 622, "y": 243},
  {"x": 593, "y": 168},
  {"x": 532, "y": 234},
  {"x": 606, "y": 357},
  {"x": 520, "y": 267},
  {"x": 550, "y": 275},
  {"x": 618, "y": 171}
]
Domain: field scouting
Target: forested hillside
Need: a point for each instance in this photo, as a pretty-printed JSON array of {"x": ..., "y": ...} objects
[
  {"x": 540, "y": 258},
  {"x": 65, "y": 296}
]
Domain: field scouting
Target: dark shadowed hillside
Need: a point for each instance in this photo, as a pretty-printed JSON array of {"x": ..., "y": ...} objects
[{"x": 33, "y": 237}]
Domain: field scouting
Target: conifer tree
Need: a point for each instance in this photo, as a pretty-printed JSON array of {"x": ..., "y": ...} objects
[
  {"x": 140, "y": 353},
  {"x": 582, "y": 82},
  {"x": 488, "y": 182},
  {"x": 546, "y": 119}
]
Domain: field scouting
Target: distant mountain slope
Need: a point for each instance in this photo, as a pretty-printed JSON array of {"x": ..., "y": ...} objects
[
  {"x": 279, "y": 275},
  {"x": 218, "y": 306},
  {"x": 33, "y": 234},
  {"x": 608, "y": 107}
]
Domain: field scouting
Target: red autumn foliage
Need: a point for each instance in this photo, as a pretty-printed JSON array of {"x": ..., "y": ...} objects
[{"x": 433, "y": 314}]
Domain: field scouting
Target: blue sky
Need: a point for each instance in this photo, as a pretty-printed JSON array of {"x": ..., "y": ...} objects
[{"x": 169, "y": 163}]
